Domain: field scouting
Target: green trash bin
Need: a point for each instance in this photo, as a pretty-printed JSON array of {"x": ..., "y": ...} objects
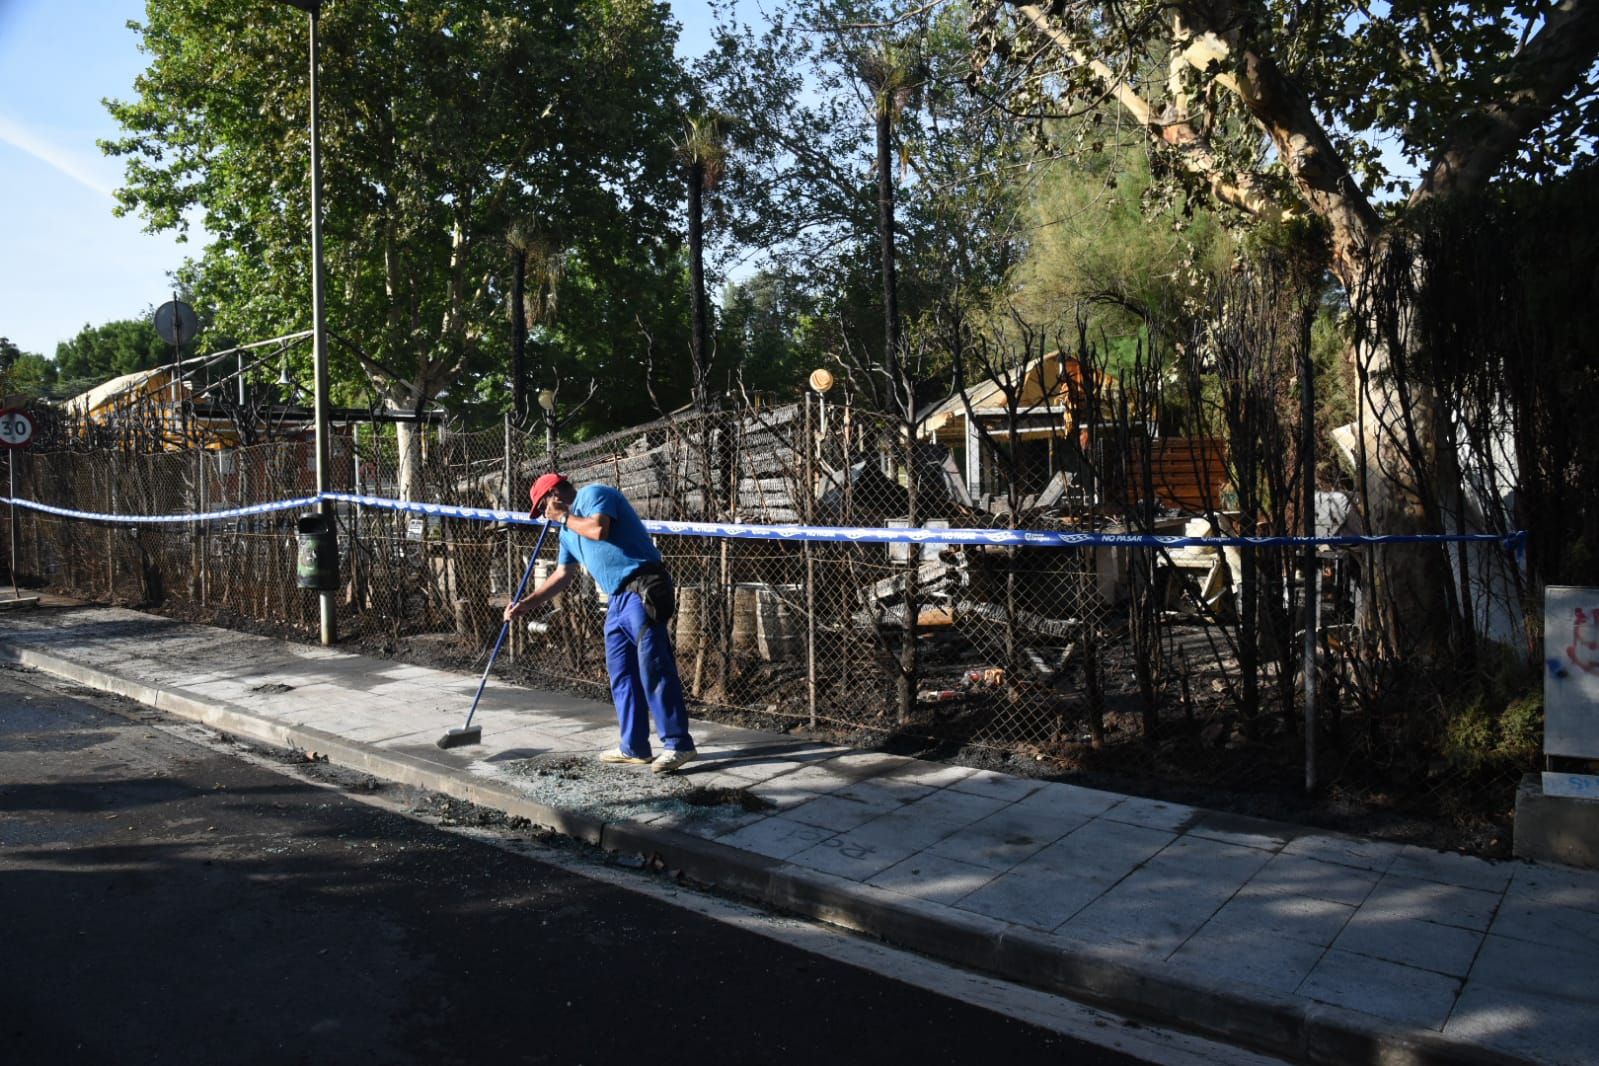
[{"x": 317, "y": 566}]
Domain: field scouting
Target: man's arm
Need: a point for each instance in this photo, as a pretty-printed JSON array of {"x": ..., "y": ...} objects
[
  {"x": 547, "y": 589},
  {"x": 589, "y": 527}
]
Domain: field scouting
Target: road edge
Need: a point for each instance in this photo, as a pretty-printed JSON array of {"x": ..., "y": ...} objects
[{"x": 1259, "y": 1020}]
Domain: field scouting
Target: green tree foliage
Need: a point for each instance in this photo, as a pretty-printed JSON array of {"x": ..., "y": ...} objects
[
  {"x": 33, "y": 375},
  {"x": 767, "y": 332},
  {"x": 99, "y": 353},
  {"x": 1470, "y": 93},
  {"x": 804, "y": 181},
  {"x": 1465, "y": 94},
  {"x": 444, "y": 126},
  {"x": 24, "y": 373},
  {"x": 1097, "y": 248}
]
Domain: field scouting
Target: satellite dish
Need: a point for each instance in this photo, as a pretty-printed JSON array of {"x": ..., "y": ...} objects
[{"x": 176, "y": 323}]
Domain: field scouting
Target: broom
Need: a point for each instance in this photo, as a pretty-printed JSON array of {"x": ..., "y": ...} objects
[{"x": 473, "y": 734}]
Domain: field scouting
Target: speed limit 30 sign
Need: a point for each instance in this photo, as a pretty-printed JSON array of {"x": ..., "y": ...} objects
[{"x": 16, "y": 428}]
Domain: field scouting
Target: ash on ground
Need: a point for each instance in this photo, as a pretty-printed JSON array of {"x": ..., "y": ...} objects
[{"x": 584, "y": 785}]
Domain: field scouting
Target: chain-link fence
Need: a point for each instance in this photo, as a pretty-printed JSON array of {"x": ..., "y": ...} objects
[{"x": 1182, "y": 664}]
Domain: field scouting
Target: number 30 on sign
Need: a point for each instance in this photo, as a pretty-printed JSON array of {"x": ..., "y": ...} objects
[{"x": 16, "y": 429}]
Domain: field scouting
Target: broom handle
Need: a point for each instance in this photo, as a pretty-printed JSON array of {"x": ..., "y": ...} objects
[{"x": 505, "y": 627}]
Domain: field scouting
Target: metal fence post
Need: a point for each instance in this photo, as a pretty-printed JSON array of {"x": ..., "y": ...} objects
[
  {"x": 510, "y": 544},
  {"x": 1312, "y": 566},
  {"x": 110, "y": 535},
  {"x": 808, "y": 448},
  {"x": 11, "y": 478},
  {"x": 202, "y": 538}
]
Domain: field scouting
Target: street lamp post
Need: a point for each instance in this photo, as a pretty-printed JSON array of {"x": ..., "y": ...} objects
[
  {"x": 547, "y": 402},
  {"x": 319, "y": 344}
]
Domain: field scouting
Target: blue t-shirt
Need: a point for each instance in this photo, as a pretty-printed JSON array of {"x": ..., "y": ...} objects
[{"x": 627, "y": 547}]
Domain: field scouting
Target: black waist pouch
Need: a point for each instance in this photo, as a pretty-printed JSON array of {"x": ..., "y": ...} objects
[{"x": 654, "y": 586}]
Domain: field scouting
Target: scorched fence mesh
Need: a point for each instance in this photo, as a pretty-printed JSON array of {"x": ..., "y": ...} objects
[{"x": 1181, "y": 662}]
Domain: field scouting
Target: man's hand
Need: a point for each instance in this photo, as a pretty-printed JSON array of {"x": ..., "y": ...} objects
[{"x": 514, "y": 608}]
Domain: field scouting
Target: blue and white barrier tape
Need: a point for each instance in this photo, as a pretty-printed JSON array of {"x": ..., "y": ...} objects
[
  {"x": 1031, "y": 538},
  {"x": 167, "y": 519}
]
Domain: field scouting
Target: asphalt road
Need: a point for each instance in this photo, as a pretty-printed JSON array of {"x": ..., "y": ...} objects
[{"x": 163, "y": 901}]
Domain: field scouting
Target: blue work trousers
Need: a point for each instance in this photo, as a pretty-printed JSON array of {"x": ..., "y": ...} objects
[{"x": 638, "y": 654}]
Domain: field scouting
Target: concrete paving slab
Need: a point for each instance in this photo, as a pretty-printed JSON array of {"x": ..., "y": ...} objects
[
  {"x": 1069, "y": 800},
  {"x": 919, "y": 825},
  {"x": 1246, "y": 832},
  {"x": 933, "y": 877},
  {"x": 932, "y": 774},
  {"x": 1299, "y": 875},
  {"x": 839, "y": 813},
  {"x": 1444, "y": 949},
  {"x": 226, "y": 688},
  {"x": 1156, "y": 924},
  {"x": 1546, "y": 970},
  {"x": 557, "y": 725},
  {"x": 1550, "y": 924},
  {"x": 1397, "y": 897},
  {"x": 996, "y": 785},
  {"x": 780, "y": 793},
  {"x": 1003, "y": 839},
  {"x": 869, "y": 765},
  {"x": 1100, "y": 851},
  {"x": 381, "y": 732},
  {"x": 1561, "y": 886},
  {"x": 708, "y": 823},
  {"x": 1386, "y": 989},
  {"x": 404, "y": 672},
  {"x": 600, "y": 739},
  {"x": 1450, "y": 869},
  {"x": 758, "y": 771},
  {"x": 1530, "y": 1027},
  {"x": 854, "y": 860},
  {"x": 1227, "y": 955},
  {"x": 707, "y": 777},
  {"x": 1033, "y": 898},
  {"x": 888, "y": 792},
  {"x": 1279, "y": 915},
  {"x": 1153, "y": 814},
  {"x": 1167, "y": 899},
  {"x": 816, "y": 777},
  {"x": 776, "y": 837},
  {"x": 1137, "y": 949},
  {"x": 1362, "y": 854},
  {"x": 1207, "y": 867}
]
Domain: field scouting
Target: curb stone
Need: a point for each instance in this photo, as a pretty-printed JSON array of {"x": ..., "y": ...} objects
[{"x": 1261, "y": 1020}]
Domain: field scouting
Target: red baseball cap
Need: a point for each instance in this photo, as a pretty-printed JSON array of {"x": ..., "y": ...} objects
[{"x": 546, "y": 484}]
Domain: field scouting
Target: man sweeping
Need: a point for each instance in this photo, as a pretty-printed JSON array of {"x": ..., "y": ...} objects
[{"x": 601, "y": 531}]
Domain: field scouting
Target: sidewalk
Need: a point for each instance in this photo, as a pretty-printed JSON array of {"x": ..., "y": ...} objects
[{"x": 1292, "y": 941}]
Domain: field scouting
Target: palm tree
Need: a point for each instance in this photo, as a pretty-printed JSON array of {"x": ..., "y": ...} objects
[
  {"x": 532, "y": 250},
  {"x": 703, "y": 154},
  {"x": 894, "y": 71}
]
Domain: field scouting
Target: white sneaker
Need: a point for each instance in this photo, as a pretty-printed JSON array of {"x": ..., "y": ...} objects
[
  {"x": 618, "y": 756},
  {"x": 668, "y": 761}
]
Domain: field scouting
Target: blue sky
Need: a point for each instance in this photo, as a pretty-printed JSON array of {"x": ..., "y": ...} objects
[{"x": 65, "y": 260}]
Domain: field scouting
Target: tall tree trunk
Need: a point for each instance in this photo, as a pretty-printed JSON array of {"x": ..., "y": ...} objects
[
  {"x": 1403, "y": 438},
  {"x": 408, "y": 444},
  {"x": 698, "y": 342},
  {"x": 519, "y": 333},
  {"x": 885, "y": 229},
  {"x": 901, "y": 404}
]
